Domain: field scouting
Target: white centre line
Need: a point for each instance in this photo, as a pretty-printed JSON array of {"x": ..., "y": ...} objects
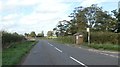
[
  {"x": 78, "y": 61},
  {"x": 58, "y": 49},
  {"x": 50, "y": 44}
]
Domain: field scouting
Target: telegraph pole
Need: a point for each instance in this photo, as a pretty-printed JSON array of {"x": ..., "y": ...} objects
[{"x": 88, "y": 30}]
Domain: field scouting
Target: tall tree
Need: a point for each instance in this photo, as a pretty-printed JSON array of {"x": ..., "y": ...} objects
[
  {"x": 41, "y": 34},
  {"x": 116, "y": 14},
  {"x": 118, "y": 20},
  {"x": 62, "y": 28},
  {"x": 33, "y": 34},
  {"x": 95, "y": 18}
]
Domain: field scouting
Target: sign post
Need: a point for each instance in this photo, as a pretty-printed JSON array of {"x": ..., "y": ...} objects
[{"x": 88, "y": 31}]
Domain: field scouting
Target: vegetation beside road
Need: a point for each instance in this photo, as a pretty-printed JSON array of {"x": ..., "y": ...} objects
[
  {"x": 15, "y": 46},
  {"x": 99, "y": 40},
  {"x": 103, "y": 26},
  {"x": 65, "y": 39},
  {"x": 14, "y": 54},
  {"x": 9, "y": 38},
  {"x": 107, "y": 46}
]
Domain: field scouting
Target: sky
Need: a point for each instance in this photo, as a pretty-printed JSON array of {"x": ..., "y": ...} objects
[{"x": 42, "y": 15}]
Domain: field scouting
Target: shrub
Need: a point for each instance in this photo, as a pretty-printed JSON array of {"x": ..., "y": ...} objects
[
  {"x": 104, "y": 37},
  {"x": 8, "y": 38},
  {"x": 65, "y": 39}
]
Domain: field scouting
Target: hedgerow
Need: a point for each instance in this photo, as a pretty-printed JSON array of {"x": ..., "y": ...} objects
[
  {"x": 95, "y": 37},
  {"x": 8, "y": 38},
  {"x": 103, "y": 37}
]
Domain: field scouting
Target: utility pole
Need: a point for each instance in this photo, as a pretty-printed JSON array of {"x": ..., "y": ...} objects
[{"x": 88, "y": 30}]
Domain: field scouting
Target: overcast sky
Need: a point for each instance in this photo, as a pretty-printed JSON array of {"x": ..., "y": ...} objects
[{"x": 36, "y": 15}]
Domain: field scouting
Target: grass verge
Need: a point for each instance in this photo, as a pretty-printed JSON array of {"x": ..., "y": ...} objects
[
  {"x": 106, "y": 46},
  {"x": 14, "y": 54}
]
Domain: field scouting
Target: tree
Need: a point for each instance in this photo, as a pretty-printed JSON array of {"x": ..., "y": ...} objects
[
  {"x": 15, "y": 33},
  {"x": 95, "y": 18},
  {"x": 33, "y": 34},
  {"x": 26, "y": 34},
  {"x": 40, "y": 34},
  {"x": 50, "y": 33},
  {"x": 117, "y": 17},
  {"x": 118, "y": 20}
]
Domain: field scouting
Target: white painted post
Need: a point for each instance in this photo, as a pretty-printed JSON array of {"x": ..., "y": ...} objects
[{"x": 88, "y": 31}]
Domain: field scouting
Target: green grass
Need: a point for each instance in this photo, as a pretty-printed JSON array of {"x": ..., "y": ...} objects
[
  {"x": 106, "y": 46},
  {"x": 14, "y": 54}
]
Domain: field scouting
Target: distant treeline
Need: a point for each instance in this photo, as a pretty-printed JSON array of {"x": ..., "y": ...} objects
[{"x": 9, "y": 38}]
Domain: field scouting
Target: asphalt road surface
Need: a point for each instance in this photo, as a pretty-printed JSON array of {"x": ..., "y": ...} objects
[{"x": 50, "y": 53}]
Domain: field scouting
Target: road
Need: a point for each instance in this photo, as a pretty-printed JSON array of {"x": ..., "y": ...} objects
[{"x": 50, "y": 53}]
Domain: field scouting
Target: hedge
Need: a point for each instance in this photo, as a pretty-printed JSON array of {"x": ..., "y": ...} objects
[
  {"x": 103, "y": 37},
  {"x": 95, "y": 37},
  {"x": 65, "y": 39},
  {"x": 8, "y": 38}
]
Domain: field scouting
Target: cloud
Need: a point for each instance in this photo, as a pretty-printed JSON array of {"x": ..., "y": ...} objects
[
  {"x": 44, "y": 15},
  {"x": 87, "y": 3},
  {"x": 37, "y": 15},
  {"x": 9, "y": 17},
  {"x": 21, "y": 2}
]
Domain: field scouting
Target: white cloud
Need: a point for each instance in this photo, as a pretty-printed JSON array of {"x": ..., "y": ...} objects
[
  {"x": 9, "y": 17},
  {"x": 0, "y": 5},
  {"x": 44, "y": 16},
  {"x": 21, "y": 2},
  {"x": 87, "y": 3}
]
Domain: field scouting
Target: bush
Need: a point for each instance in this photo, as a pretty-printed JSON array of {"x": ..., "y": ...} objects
[
  {"x": 8, "y": 38},
  {"x": 65, "y": 39},
  {"x": 103, "y": 37},
  {"x": 95, "y": 37}
]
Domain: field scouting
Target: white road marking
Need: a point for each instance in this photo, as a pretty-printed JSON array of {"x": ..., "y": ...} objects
[
  {"x": 58, "y": 49},
  {"x": 50, "y": 44},
  {"x": 113, "y": 56},
  {"x": 78, "y": 61},
  {"x": 97, "y": 51},
  {"x": 79, "y": 47},
  {"x": 67, "y": 45},
  {"x": 109, "y": 55},
  {"x": 106, "y": 54}
]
